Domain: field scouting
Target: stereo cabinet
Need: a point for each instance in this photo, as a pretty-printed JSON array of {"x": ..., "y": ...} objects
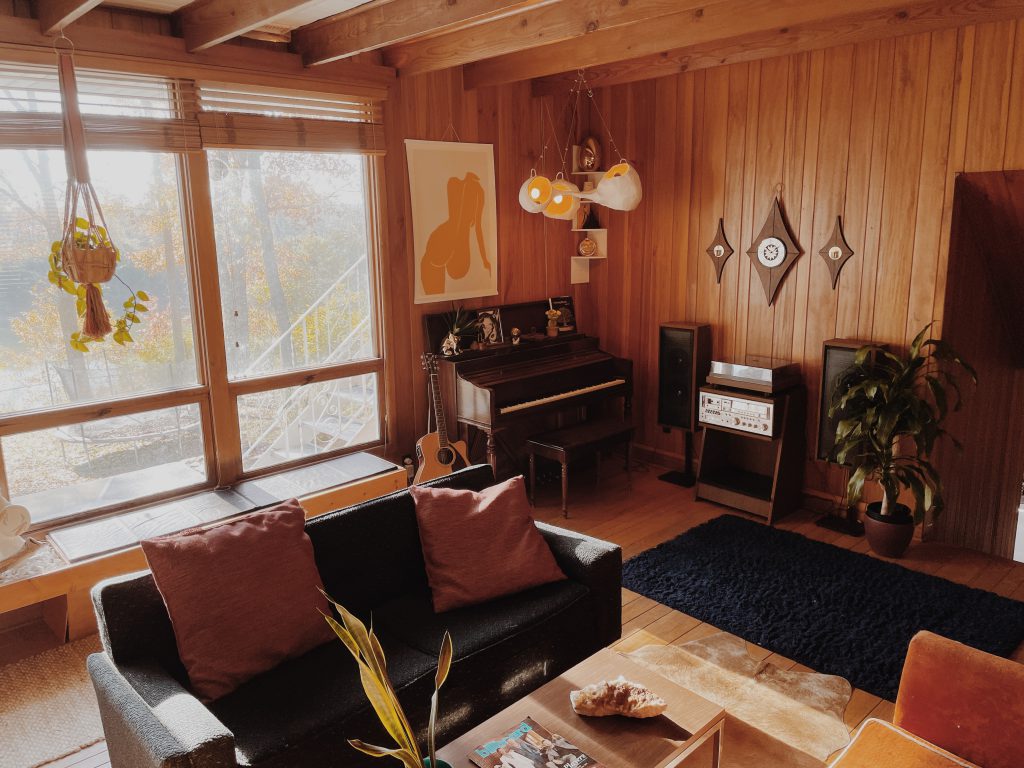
[{"x": 756, "y": 473}]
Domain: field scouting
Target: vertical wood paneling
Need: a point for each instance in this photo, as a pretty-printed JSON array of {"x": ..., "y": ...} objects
[
  {"x": 534, "y": 252},
  {"x": 874, "y": 132}
]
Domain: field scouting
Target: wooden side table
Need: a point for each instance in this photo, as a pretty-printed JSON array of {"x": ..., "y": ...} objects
[{"x": 569, "y": 443}]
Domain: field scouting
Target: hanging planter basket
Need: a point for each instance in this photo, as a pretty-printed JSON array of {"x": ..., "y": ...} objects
[{"x": 85, "y": 257}]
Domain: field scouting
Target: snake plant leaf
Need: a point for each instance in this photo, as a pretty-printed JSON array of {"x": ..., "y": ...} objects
[
  {"x": 444, "y": 665},
  {"x": 444, "y": 660},
  {"x": 386, "y": 708},
  {"x": 374, "y": 751},
  {"x": 344, "y": 635}
]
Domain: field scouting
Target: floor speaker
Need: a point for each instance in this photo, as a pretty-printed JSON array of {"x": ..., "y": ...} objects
[
  {"x": 684, "y": 361},
  {"x": 836, "y": 356}
]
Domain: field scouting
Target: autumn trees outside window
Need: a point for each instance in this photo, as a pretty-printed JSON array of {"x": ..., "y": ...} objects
[{"x": 261, "y": 348}]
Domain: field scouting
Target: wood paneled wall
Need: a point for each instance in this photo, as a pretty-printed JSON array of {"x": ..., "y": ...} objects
[
  {"x": 534, "y": 252},
  {"x": 983, "y": 481},
  {"x": 873, "y": 132}
]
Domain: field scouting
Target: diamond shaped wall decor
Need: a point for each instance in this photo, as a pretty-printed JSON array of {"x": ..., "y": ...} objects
[
  {"x": 836, "y": 251},
  {"x": 774, "y": 251},
  {"x": 720, "y": 250}
]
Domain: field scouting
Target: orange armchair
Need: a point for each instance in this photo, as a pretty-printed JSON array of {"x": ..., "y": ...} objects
[{"x": 957, "y": 706}]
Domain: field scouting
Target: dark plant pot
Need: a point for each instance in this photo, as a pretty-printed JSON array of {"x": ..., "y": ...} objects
[
  {"x": 889, "y": 535},
  {"x": 440, "y": 763}
]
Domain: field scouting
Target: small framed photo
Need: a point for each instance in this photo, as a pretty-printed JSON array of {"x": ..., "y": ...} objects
[{"x": 488, "y": 323}]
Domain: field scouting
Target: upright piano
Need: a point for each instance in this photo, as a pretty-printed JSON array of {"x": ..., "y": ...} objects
[{"x": 503, "y": 389}]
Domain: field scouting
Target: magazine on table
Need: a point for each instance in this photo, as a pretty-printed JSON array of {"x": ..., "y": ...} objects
[{"x": 529, "y": 745}]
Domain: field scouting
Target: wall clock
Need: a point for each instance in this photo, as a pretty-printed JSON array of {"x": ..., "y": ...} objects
[
  {"x": 774, "y": 251},
  {"x": 720, "y": 251},
  {"x": 836, "y": 251}
]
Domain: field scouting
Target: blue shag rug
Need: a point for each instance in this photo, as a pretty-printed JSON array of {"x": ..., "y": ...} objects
[{"x": 838, "y": 612}]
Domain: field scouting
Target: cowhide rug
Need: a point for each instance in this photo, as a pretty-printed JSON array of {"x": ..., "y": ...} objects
[{"x": 802, "y": 710}]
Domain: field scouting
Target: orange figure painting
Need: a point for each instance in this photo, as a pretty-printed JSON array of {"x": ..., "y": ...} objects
[{"x": 448, "y": 253}]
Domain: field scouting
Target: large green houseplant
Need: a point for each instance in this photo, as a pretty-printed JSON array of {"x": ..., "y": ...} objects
[{"x": 892, "y": 409}]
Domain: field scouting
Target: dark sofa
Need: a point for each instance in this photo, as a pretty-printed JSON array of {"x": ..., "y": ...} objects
[{"x": 302, "y": 712}]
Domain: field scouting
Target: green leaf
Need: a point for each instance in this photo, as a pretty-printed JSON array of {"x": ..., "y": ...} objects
[
  {"x": 141, "y": 308},
  {"x": 142, "y": 295},
  {"x": 132, "y": 317}
]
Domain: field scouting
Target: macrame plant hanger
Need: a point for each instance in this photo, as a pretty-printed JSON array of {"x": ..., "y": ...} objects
[{"x": 85, "y": 252}]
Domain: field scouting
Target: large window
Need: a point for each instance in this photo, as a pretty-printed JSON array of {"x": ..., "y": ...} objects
[{"x": 295, "y": 373}]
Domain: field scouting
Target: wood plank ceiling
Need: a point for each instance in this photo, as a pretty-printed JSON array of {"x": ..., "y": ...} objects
[{"x": 547, "y": 41}]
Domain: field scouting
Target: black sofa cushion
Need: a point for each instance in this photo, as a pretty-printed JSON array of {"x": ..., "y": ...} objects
[
  {"x": 512, "y": 621},
  {"x": 307, "y": 697}
]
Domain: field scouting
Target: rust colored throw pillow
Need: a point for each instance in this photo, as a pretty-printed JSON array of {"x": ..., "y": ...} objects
[
  {"x": 478, "y": 546},
  {"x": 242, "y": 596}
]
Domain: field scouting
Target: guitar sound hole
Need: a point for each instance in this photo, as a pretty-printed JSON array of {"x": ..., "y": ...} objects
[{"x": 446, "y": 456}]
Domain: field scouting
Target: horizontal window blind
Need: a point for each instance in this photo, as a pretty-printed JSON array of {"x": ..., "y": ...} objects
[
  {"x": 253, "y": 117},
  {"x": 120, "y": 111},
  {"x": 123, "y": 111}
]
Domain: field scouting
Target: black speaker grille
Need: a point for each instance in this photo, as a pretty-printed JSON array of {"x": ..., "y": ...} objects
[
  {"x": 837, "y": 360},
  {"x": 675, "y": 377}
]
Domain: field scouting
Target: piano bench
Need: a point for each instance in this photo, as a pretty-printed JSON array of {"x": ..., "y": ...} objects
[{"x": 568, "y": 443}]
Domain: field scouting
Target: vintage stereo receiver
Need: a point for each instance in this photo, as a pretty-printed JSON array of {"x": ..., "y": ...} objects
[{"x": 741, "y": 412}]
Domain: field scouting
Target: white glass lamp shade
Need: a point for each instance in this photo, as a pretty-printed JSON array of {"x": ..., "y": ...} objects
[
  {"x": 619, "y": 188},
  {"x": 535, "y": 193},
  {"x": 564, "y": 200}
]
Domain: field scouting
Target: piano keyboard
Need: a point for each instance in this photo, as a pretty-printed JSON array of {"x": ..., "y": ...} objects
[{"x": 561, "y": 396}]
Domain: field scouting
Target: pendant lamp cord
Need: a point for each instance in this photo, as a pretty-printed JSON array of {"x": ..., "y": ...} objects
[{"x": 582, "y": 83}]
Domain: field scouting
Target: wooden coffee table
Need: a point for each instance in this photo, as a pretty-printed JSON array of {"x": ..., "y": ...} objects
[{"x": 669, "y": 740}]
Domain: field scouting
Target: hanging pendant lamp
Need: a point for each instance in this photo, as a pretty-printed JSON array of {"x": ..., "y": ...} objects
[
  {"x": 535, "y": 193},
  {"x": 565, "y": 199}
]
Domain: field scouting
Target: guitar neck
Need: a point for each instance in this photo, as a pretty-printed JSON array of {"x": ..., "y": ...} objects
[{"x": 435, "y": 395}]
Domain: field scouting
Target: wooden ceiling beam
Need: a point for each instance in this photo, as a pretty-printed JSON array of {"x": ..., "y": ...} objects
[
  {"x": 395, "y": 22},
  {"x": 206, "y": 23},
  {"x": 711, "y": 25},
  {"x": 857, "y": 28},
  {"x": 143, "y": 53},
  {"x": 54, "y": 15},
  {"x": 533, "y": 28}
]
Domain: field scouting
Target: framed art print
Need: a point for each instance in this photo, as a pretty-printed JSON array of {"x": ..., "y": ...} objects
[{"x": 454, "y": 220}]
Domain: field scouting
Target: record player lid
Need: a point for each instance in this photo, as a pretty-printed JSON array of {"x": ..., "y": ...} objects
[{"x": 756, "y": 369}]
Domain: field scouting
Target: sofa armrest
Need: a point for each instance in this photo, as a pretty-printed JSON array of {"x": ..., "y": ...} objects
[
  {"x": 966, "y": 701},
  {"x": 151, "y": 721},
  {"x": 595, "y": 563}
]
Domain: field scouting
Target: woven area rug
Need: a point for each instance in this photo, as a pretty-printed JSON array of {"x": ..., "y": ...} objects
[
  {"x": 836, "y": 611},
  {"x": 48, "y": 707},
  {"x": 802, "y": 710}
]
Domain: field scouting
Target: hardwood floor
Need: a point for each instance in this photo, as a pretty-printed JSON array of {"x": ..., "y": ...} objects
[{"x": 654, "y": 511}]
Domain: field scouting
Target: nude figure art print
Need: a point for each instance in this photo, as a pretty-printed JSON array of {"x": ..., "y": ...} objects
[{"x": 454, "y": 219}]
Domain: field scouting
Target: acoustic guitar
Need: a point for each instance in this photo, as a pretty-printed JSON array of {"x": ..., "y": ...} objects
[{"x": 436, "y": 454}]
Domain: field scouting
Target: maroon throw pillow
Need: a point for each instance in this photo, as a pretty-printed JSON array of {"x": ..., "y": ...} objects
[
  {"x": 478, "y": 546},
  {"x": 242, "y": 596}
]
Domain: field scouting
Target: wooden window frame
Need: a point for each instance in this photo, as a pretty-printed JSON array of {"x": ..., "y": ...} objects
[{"x": 215, "y": 393}]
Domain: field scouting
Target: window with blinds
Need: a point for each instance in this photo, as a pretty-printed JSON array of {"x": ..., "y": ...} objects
[
  {"x": 128, "y": 111},
  {"x": 257, "y": 117},
  {"x": 120, "y": 111}
]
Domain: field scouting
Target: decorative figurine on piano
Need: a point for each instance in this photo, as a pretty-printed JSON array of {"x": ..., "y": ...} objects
[
  {"x": 516, "y": 334},
  {"x": 460, "y": 325},
  {"x": 553, "y": 315}
]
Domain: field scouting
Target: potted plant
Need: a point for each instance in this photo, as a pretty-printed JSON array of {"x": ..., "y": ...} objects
[
  {"x": 79, "y": 264},
  {"x": 369, "y": 656},
  {"x": 892, "y": 409}
]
